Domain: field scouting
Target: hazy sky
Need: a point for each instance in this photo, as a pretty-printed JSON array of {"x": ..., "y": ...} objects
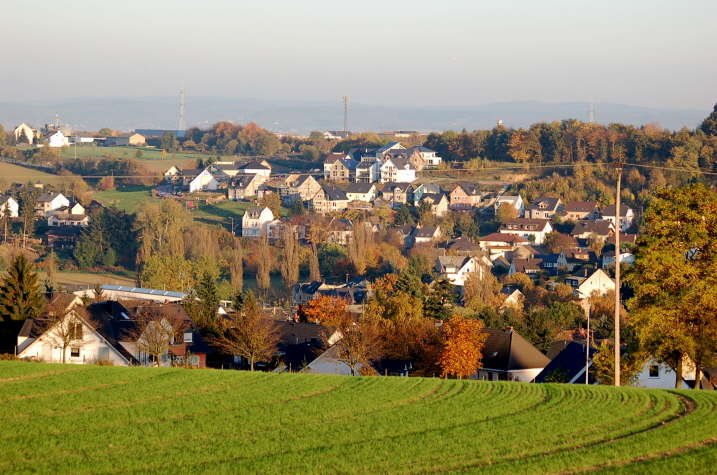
[{"x": 660, "y": 53}]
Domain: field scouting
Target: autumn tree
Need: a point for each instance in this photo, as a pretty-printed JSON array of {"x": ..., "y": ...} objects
[
  {"x": 360, "y": 246},
  {"x": 264, "y": 264},
  {"x": 290, "y": 257},
  {"x": 236, "y": 266},
  {"x": 360, "y": 342},
  {"x": 604, "y": 365},
  {"x": 505, "y": 212},
  {"x": 326, "y": 310},
  {"x": 249, "y": 333},
  {"x": 314, "y": 266},
  {"x": 481, "y": 290},
  {"x": 160, "y": 228},
  {"x": 461, "y": 356},
  {"x": 20, "y": 295},
  {"x": 558, "y": 242},
  {"x": 674, "y": 305},
  {"x": 271, "y": 201}
]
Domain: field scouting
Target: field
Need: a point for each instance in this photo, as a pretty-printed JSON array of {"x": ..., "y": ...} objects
[
  {"x": 16, "y": 174},
  {"x": 127, "y": 198},
  {"x": 83, "y": 419}
]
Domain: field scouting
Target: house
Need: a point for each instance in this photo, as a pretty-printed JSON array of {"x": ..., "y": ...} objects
[
  {"x": 243, "y": 187},
  {"x": 353, "y": 293},
  {"x": 514, "y": 299},
  {"x": 329, "y": 199},
  {"x": 464, "y": 246},
  {"x": 625, "y": 238},
  {"x": 514, "y": 201},
  {"x": 300, "y": 187},
  {"x": 655, "y": 374},
  {"x": 608, "y": 258},
  {"x": 598, "y": 282},
  {"x": 361, "y": 192},
  {"x": 456, "y": 269},
  {"x": 438, "y": 202},
  {"x": 429, "y": 157},
  {"x": 62, "y": 237},
  {"x": 568, "y": 366},
  {"x": 121, "y": 292},
  {"x": 57, "y": 140},
  {"x": 204, "y": 181},
  {"x": 9, "y": 207},
  {"x": 510, "y": 357},
  {"x": 134, "y": 139},
  {"x": 254, "y": 222},
  {"x": 172, "y": 171},
  {"x": 300, "y": 343},
  {"x": 498, "y": 243},
  {"x": 425, "y": 188},
  {"x": 396, "y": 194},
  {"x": 589, "y": 230},
  {"x": 48, "y": 202},
  {"x": 427, "y": 234},
  {"x": 627, "y": 216},
  {"x": 534, "y": 230},
  {"x": 531, "y": 266},
  {"x": 555, "y": 263},
  {"x": 382, "y": 153},
  {"x": 340, "y": 231},
  {"x": 398, "y": 170},
  {"x": 255, "y": 167},
  {"x": 464, "y": 196},
  {"x": 65, "y": 218},
  {"x": 368, "y": 170},
  {"x": 577, "y": 210},
  {"x": 339, "y": 167},
  {"x": 544, "y": 208},
  {"x": 24, "y": 132}
]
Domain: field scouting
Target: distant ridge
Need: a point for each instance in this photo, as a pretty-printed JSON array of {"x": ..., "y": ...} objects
[{"x": 303, "y": 116}]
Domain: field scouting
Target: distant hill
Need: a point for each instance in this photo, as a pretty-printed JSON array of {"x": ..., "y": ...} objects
[{"x": 302, "y": 117}]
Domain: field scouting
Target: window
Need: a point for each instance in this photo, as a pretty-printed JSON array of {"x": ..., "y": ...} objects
[
  {"x": 74, "y": 352},
  {"x": 654, "y": 371},
  {"x": 76, "y": 331}
]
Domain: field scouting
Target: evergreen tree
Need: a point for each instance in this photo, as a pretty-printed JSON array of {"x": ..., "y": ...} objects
[
  {"x": 709, "y": 126},
  {"x": 20, "y": 293},
  {"x": 438, "y": 301},
  {"x": 209, "y": 296}
]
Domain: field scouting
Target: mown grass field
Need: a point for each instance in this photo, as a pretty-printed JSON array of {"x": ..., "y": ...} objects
[
  {"x": 79, "y": 419},
  {"x": 11, "y": 173}
]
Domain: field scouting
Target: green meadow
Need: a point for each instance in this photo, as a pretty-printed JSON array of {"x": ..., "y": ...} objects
[{"x": 81, "y": 419}]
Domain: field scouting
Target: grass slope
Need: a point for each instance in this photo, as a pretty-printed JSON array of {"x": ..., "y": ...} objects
[
  {"x": 100, "y": 419},
  {"x": 16, "y": 174}
]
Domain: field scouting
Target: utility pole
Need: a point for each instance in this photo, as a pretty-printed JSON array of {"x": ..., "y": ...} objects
[
  {"x": 618, "y": 167},
  {"x": 346, "y": 115}
]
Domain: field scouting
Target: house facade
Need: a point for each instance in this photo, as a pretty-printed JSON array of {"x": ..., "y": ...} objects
[
  {"x": 398, "y": 170},
  {"x": 339, "y": 167},
  {"x": 515, "y": 201},
  {"x": 9, "y": 206},
  {"x": 49, "y": 202},
  {"x": 627, "y": 216},
  {"x": 204, "y": 181},
  {"x": 534, "y": 230},
  {"x": 456, "y": 269},
  {"x": 464, "y": 196},
  {"x": 255, "y": 221},
  {"x": 544, "y": 208}
]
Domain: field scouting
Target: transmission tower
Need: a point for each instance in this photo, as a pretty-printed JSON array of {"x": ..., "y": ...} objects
[
  {"x": 346, "y": 115},
  {"x": 182, "y": 110},
  {"x": 591, "y": 113}
]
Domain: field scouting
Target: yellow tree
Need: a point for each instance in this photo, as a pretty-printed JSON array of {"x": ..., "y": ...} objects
[{"x": 462, "y": 352}]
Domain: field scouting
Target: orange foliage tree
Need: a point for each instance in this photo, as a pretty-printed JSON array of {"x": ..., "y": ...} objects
[
  {"x": 326, "y": 310},
  {"x": 463, "y": 348}
]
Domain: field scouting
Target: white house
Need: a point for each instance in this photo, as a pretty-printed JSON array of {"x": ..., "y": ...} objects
[
  {"x": 205, "y": 181},
  {"x": 361, "y": 192},
  {"x": 256, "y": 168},
  {"x": 368, "y": 171},
  {"x": 509, "y": 356},
  {"x": 429, "y": 156},
  {"x": 514, "y": 201},
  {"x": 397, "y": 170},
  {"x": 255, "y": 221},
  {"x": 58, "y": 140},
  {"x": 598, "y": 282},
  {"x": 456, "y": 269},
  {"x": 627, "y": 216},
  {"x": 24, "y": 131},
  {"x": 531, "y": 229},
  {"x": 86, "y": 344},
  {"x": 49, "y": 202},
  {"x": 8, "y": 203}
]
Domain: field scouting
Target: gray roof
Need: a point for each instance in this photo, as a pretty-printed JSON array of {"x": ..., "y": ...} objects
[
  {"x": 359, "y": 187},
  {"x": 507, "y": 350},
  {"x": 254, "y": 165},
  {"x": 334, "y": 194},
  {"x": 600, "y": 228},
  {"x": 387, "y": 147},
  {"x": 427, "y": 231}
]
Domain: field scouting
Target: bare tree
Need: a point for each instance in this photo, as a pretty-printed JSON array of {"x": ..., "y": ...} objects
[
  {"x": 64, "y": 324},
  {"x": 236, "y": 265},
  {"x": 155, "y": 332},
  {"x": 6, "y": 220},
  {"x": 360, "y": 342},
  {"x": 314, "y": 268},
  {"x": 289, "y": 264},
  {"x": 250, "y": 334}
]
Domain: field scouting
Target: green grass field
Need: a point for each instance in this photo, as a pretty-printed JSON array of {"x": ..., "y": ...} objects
[
  {"x": 11, "y": 173},
  {"x": 81, "y": 419},
  {"x": 128, "y": 198}
]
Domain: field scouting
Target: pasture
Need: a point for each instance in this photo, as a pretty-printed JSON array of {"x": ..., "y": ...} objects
[
  {"x": 80, "y": 419},
  {"x": 10, "y": 173}
]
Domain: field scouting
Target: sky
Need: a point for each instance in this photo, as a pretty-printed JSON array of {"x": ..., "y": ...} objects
[{"x": 658, "y": 53}]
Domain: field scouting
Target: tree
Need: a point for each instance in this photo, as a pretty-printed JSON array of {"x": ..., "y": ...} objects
[
  {"x": 462, "y": 352},
  {"x": 481, "y": 291},
  {"x": 206, "y": 292},
  {"x": 505, "y": 212},
  {"x": 604, "y": 365},
  {"x": 289, "y": 263},
  {"x": 236, "y": 266},
  {"x": 360, "y": 343},
  {"x": 298, "y": 208},
  {"x": 160, "y": 228},
  {"x": 360, "y": 246},
  {"x": 167, "y": 273},
  {"x": 314, "y": 267},
  {"x": 105, "y": 132},
  {"x": 249, "y": 333},
  {"x": 264, "y": 264},
  {"x": 709, "y": 125},
  {"x": 155, "y": 332},
  {"x": 169, "y": 142},
  {"x": 28, "y": 200},
  {"x": 674, "y": 303},
  {"x": 326, "y": 310},
  {"x": 20, "y": 294},
  {"x": 6, "y": 216},
  {"x": 557, "y": 242},
  {"x": 273, "y": 202},
  {"x": 438, "y": 301}
]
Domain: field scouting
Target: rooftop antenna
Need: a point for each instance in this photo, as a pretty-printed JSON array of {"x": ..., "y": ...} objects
[
  {"x": 346, "y": 115},
  {"x": 182, "y": 109}
]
